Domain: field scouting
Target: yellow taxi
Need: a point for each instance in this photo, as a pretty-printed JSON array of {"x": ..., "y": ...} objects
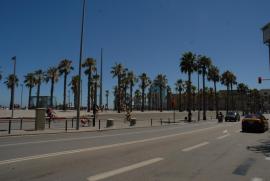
[{"x": 254, "y": 122}]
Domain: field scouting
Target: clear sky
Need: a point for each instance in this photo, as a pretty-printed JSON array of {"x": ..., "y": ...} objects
[{"x": 144, "y": 35}]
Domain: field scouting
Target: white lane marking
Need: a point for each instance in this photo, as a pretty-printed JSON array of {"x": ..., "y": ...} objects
[
  {"x": 267, "y": 158},
  {"x": 195, "y": 146},
  {"x": 224, "y": 136},
  {"x": 123, "y": 169},
  {"x": 90, "y": 137},
  {"x": 14, "y": 160},
  {"x": 256, "y": 179},
  {"x": 225, "y": 131}
]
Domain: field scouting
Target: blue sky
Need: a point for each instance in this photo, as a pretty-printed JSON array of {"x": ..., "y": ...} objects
[{"x": 144, "y": 35}]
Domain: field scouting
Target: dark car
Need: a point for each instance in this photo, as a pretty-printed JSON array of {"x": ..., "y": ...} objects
[
  {"x": 254, "y": 122},
  {"x": 232, "y": 116}
]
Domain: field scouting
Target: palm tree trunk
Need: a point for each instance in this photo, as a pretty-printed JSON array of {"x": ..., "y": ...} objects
[
  {"x": 52, "y": 90},
  {"x": 107, "y": 100},
  {"x": 65, "y": 87},
  {"x": 118, "y": 94},
  {"x": 216, "y": 99},
  {"x": 38, "y": 93},
  {"x": 232, "y": 104},
  {"x": 227, "y": 99},
  {"x": 29, "y": 96},
  {"x": 142, "y": 108},
  {"x": 11, "y": 97},
  {"x": 89, "y": 93},
  {"x": 161, "y": 101},
  {"x": 130, "y": 97},
  {"x": 179, "y": 101},
  {"x": 242, "y": 103},
  {"x": 204, "y": 101},
  {"x": 189, "y": 96}
]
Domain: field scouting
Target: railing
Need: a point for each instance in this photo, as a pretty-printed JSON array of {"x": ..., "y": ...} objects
[{"x": 9, "y": 125}]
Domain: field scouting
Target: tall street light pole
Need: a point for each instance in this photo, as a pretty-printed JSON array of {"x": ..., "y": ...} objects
[
  {"x": 101, "y": 74},
  {"x": 21, "y": 94},
  {"x": 80, "y": 69},
  {"x": 13, "y": 85}
]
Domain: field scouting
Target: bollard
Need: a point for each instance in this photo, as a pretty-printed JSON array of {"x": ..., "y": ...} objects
[
  {"x": 66, "y": 126},
  {"x": 49, "y": 123},
  {"x": 99, "y": 124},
  {"x": 72, "y": 122},
  {"x": 151, "y": 122},
  {"x": 169, "y": 120},
  {"x": 161, "y": 121},
  {"x": 9, "y": 126},
  {"x": 88, "y": 122},
  {"x": 21, "y": 124}
]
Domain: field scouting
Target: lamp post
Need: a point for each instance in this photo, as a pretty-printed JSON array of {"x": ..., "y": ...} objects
[
  {"x": 80, "y": 68},
  {"x": 21, "y": 94},
  {"x": 13, "y": 85}
]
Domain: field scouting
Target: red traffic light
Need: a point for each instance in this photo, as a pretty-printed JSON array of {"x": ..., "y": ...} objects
[{"x": 259, "y": 80}]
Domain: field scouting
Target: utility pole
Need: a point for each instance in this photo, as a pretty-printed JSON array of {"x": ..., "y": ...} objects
[
  {"x": 80, "y": 68},
  {"x": 101, "y": 74},
  {"x": 13, "y": 85},
  {"x": 21, "y": 94}
]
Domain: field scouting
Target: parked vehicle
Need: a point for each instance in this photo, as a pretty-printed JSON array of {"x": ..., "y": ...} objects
[
  {"x": 232, "y": 116},
  {"x": 254, "y": 122}
]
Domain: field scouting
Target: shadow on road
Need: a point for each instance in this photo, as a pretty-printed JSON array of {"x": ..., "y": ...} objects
[{"x": 263, "y": 147}]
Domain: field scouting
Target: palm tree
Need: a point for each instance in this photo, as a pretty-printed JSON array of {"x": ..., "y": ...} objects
[
  {"x": 193, "y": 92},
  {"x": 117, "y": 71},
  {"x": 107, "y": 99},
  {"x": 179, "y": 87},
  {"x": 132, "y": 79},
  {"x": 29, "y": 81},
  {"x": 115, "y": 89},
  {"x": 242, "y": 90},
  {"x": 199, "y": 72},
  {"x": 145, "y": 82},
  {"x": 169, "y": 97},
  {"x": 213, "y": 75},
  {"x": 11, "y": 82},
  {"x": 225, "y": 80},
  {"x": 90, "y": 65},
  {"x": 95, "y": 80},
  {"x": 204, "y": 62},
  {"x": 137, "y": 99},
  {"x": 188, "y": 65},
  {"x": 53, "y": 76},
  {"x": 65, "y": 68},
  {"x": 161, "y": 82},
  {"x": 75, "y": 88},
  {"x": 232, "y": 82},
  {"x": 125, "y": 84},
  {"x": 39, "y": 77}
]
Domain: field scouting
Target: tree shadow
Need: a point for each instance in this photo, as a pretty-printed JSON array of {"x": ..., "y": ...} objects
[{"x": 263, "y": 147}]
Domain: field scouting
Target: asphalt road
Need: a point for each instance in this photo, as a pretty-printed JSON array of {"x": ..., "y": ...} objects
[{"x": 196, "y": 151}]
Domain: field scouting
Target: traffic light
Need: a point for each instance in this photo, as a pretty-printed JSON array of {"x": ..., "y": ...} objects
[{"x": 259, "y": 80}]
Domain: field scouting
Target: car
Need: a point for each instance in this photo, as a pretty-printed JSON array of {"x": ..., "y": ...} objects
[
  {"x": 232, "y": 116},
  {"x": 254, "y": 122}
]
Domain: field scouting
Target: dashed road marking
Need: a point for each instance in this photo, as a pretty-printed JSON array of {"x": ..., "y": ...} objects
[
  {"x": 123, "y": 170},
  {"x": 256, "y": 179},
  {"x": 195, "y": 146},
  {"x": 224, "y": 136}
]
